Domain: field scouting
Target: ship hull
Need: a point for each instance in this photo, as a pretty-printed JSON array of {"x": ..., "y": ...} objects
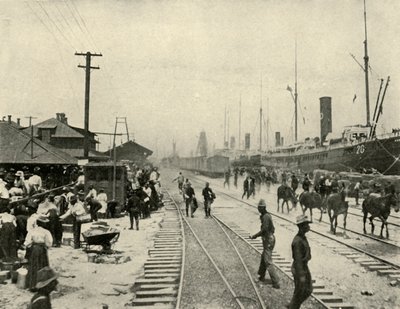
[{"x": 380, "y": 154}]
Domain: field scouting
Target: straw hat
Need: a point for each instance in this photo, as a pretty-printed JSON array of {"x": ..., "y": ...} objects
[
  {"x": 45, "y": 276},
  {"x": 262, "y": 203},
  {"x": 302, "y": 219}
]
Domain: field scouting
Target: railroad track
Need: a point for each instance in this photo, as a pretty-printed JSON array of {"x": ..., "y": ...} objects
[
  {"x": 322, "y": 295},
  {"x": 322, "y": 298},
  {"x": 160, "y": 287},
  {"x": 369, "y": 236},
  {"x": 238, "y": 282},
  {"x": 366, "y": 259}
]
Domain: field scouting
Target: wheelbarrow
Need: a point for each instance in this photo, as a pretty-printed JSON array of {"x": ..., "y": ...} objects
[{"x": 101, "y": 236}]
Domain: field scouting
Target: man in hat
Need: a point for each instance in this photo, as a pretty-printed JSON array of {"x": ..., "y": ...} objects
[
  {"x": 306, "y": 183},
  {"x": 267, "y": 233},
  {"x": 75, "y": 209},
  {"x": 46, "y": 283},
  {"x": 209, "y": 197},
  {"x": 301, "y": 255},
  {"x": 94, "y": 207},
  {"x": 189, "y": 199},
  {"x": 134, "y": 206}
]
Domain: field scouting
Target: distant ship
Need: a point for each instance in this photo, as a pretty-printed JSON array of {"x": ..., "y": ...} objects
[{"x": 358, "y": 149}]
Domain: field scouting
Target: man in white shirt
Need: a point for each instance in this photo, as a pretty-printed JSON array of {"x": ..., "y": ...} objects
[{"x": 35, "y": 181}]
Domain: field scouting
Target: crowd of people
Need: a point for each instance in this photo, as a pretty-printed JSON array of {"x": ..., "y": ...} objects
[{"x": 32, "y": 215}]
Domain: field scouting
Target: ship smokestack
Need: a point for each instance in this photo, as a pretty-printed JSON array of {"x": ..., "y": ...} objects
[
  {"x": 277, "y": 139},
  {"x": 325, "y": 104},
  {"x": 247, "y": 141},
  {"x": 233, "y": 142}
]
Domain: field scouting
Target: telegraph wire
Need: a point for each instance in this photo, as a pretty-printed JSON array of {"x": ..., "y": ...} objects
[
  {"x": 68, "y": 25},
  {"x": 52, "y": 21},
  {"x": 57, "y": 46}
]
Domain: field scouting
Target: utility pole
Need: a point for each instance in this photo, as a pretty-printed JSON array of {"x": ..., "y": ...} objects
[
  {"x": 31, "y": 125},
  {"x": 87, "y": 68},
  {"x": 240, "y": 121}
]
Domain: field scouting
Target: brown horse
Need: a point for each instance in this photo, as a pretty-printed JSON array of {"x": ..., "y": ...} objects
[
  {"x": 379, "y": 207},
  {"x": 286, "y": 194},
  {"x": 310, "y": 200},
  {"x": 337, "y": 205}
]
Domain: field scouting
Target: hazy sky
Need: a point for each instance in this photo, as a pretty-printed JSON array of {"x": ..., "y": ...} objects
[{"x": 171, "y": 67}]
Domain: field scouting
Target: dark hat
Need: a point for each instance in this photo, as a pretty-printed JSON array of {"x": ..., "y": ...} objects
[
  {"x": 45, "y": 276},
  {"x": 73, "y": 198},
  {"x": 81, "y": 192}
]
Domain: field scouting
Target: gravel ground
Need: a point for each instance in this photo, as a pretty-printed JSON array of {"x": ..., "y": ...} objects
[
  {"x": 273, "y": 298},
  {"x": 226, "y": 258},
  {"x": 338, "y": 273},
  {"x": 93, "y": 284},
  {"x": 203, "y": 288}
]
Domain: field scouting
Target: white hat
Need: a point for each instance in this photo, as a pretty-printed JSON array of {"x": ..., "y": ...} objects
[{"x": 302, "y": 219}]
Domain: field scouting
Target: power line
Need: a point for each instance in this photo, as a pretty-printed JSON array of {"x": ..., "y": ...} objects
[
  {"x": 62, "y": 34},
  {"x": 57, "y": 46},
  {"x": 68, "y": 25}
]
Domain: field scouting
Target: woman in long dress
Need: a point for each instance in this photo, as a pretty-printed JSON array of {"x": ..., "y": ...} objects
[{"x": 37, "y": 242}]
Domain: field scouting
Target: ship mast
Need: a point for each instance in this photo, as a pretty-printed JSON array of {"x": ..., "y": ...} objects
[
  {"x": 295, "y": 92},
  {"x": 240, "y": 120},
  {"x": 366, "y": 65},
  {"x": 224, "y": 128},
  {"x": 261, "y": 114}
]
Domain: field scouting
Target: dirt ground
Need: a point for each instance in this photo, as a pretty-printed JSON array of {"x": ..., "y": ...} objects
[{"x": 83, "y": 284}]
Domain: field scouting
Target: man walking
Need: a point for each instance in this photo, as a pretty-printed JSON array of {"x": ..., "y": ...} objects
[
  {"x": 246, "y": 187},
  {"x": 189, "y": 199},
  {"x": 267, "y": 233},
  {"x": 180, "y": 180},
  {"x": 209, "y": 197},
  {"x": 301, "y": 255},
  {"x": 133, "y": 207},
  {"x": 227, "y": 176}
]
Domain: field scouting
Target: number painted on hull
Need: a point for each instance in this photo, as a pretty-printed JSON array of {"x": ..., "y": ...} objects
[{"x": 360, "y": 149}]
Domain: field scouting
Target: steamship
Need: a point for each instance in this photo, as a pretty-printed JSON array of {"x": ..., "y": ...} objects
[{"x": 358, "y": 149}]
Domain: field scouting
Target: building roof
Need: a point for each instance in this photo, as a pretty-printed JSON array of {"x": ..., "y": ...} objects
[
  {"x": 130, "y": 149},
  {"x": 16, "y": 146},
  {"x": 61, "y": 129}
]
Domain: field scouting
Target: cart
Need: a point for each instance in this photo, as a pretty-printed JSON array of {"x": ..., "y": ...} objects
[{"x": 104, "y": 236}]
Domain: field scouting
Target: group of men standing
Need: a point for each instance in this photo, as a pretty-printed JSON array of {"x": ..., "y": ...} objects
[{"x": 301, "y": 254}]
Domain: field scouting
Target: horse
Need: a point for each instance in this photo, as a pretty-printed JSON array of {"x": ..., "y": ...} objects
[
  {"x": 379, "y": 207},
  {"x": 336, "y": 205},
  {"x": 312, "y": 200},
  {"x": 286, "y": 194}
]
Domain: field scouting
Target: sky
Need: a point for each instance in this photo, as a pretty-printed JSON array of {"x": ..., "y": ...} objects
[{"x": 172, "y": 67}]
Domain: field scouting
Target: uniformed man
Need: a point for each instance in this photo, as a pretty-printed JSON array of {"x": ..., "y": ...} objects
[
  {"x": 301, "y": 255},
  {"x": 267, "y": 233}
]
